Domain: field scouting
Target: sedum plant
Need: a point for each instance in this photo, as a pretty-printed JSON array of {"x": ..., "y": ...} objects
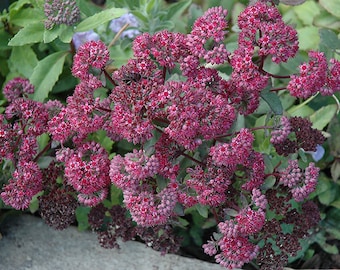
[{"x": 186, "y": 125}]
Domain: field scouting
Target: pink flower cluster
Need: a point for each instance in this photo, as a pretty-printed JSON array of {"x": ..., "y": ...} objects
[
  {"x": 136, "y": 174},
  {"x": 301, "y": 184},
  {"x": 234, "y": 248},
  {"x": 87, "y": 171},
  {"x": 25, "y": 183}
]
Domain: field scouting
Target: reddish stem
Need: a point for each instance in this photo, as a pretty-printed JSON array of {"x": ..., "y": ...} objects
[
  {"x": 107, "y": 76},
  {"x": 47, "y": 147}
]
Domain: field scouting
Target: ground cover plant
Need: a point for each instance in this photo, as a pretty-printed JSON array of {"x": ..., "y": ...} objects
[{"x": 175, "y": 124}]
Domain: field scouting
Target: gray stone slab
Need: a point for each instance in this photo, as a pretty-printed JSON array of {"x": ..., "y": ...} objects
[{"x": 29, "y": 244}]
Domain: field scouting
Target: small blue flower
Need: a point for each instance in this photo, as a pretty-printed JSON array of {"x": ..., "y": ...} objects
[
  {"x": 80, "y": 38},
  {"x": 117, "y": 24},
  {"x": 318, "y": 154}
]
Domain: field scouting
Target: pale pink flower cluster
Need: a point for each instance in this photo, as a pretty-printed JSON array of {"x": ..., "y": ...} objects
[{"x": 301, "y": 183}]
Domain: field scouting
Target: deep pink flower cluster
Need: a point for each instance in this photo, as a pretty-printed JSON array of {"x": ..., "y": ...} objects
[
  {"x": 26, "y": 182},
  {"x": 92, "y": 54},
  {"x": 261, "y": 25},
  {"x": 87, "y": 171},
  {"x": 315, "y": 76}
]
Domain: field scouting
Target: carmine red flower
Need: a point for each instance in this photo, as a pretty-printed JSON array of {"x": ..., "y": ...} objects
[
  {"x": 312, "y": 77},
  {"x": 92, "y": 54}
]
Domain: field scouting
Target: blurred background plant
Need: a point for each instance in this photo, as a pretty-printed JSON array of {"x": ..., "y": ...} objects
[{"x": 30, "y": 49}]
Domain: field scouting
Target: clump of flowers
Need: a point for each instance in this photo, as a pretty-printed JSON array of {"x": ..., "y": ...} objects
[
  {"x": 189, "y": 151},
  {"x": 61, "y": 12}
]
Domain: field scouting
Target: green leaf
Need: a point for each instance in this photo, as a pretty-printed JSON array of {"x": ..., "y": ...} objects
[
  {"x": 46, "y": 74},
  {"x": 52, "y": 34},
  {"x": 82, "y": 217},
  {"x": 326, "y": 20},
  {"x": 335, "y": 170},
  {"x": 287, "y": 228},
  {"x": 292, "y": 2},
  {"x": 273, "y": 101},
  {"x": 334, "y": 140},
  {"x": 328, "y": 196},
  {"x": 307, "y": 12},
  {"x": 177, "y": 9},
  {"x": 332, "y": 6},
  {"x": 23, "y": 60},
  {"x": 336, "y": 204},
  {"x": 305, "y": 40},
  {"x": 329, "y": 39},
  {"x": 31, "y": 33},
  {"x": 323, "y": 116},
  {"x": 4, "y": 38},
  {"x": 45, "y": 161},
  {"x": 99, "y": 18},
  {"x": 302, "y": 111},
  {"x": 26, "y": 16},
  {"x": 34, "y": 204},
  {"x": 202, "y": 210},
  {"x": 67, "y": 34}
]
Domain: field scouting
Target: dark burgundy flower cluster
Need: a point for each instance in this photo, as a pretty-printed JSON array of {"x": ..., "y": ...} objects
[
  {"x": 111, "y": 224},
  {"x": 295, "y": 133}
]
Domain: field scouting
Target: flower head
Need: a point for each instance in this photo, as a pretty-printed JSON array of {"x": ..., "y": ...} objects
[{"x": 61, "y": 12}]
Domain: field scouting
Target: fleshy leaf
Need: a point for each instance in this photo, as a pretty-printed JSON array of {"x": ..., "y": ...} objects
[
  {"x": 23, "y": 60},
  {"x": 332, "y": 6},
  {"x": 46, "y": 74},
  {"x": 273, "y": 101},
  {"x": 31, "y": 33},
  {"x": 99, "y": 18}
]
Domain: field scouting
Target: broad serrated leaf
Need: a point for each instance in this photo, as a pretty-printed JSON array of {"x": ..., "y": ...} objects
[
  {"x": 52, "y": 34},
  {"x": 332, "y": 6},
  {"x": 273, "y": 100},
  {"x": 27, "y": 16},
  {"x": 67, "y": 34},
  {"x": 31, "y": 33},
  {"x": 307, "y": 12},
  {"x": 323, "y": 116},
  {"x": 326, "y": 20},
  {"x": 329, "y": 39},
  {"x": 305, "y": 42},
  {"x": 23, "y": 60},
  {"x": 99, "y": 18},
  {"x": 46, "y": 74}
]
